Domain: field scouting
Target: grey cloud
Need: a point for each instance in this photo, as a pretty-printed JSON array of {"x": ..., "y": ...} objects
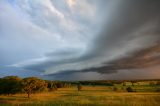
[
  {"x": 119, "y": 37},
  {"x": 128, "y": 18},
  {"x": 132, "y": 26},
  {"x": 124, "y": 22}
]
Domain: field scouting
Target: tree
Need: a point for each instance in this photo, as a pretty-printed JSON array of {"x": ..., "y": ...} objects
[
  {"x": 51, "y": 86},
  {"x": 133, "y": 82},
  {"x": 79, "y": 87},
  {"x": 33, "y": 85},
  {"x": 10, "y": 85},
  {"x": 124, "y": 83},
  {"x": 129, "y": 89}
]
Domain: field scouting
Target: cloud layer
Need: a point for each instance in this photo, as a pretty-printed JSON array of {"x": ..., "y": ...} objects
[{"x": 55, "y": 38}]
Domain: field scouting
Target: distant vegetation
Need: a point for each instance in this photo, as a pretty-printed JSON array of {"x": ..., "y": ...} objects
[
  {"x": 13, "y": 84},
  {"x": 79, "y": 86},
  {"x": 14, "y": 88}
]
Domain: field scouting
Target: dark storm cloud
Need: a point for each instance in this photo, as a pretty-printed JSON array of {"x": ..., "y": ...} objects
[
  {"x": 123, "y": 27},
  {"x": 131, "y": 22},
  {"x": 143, "y": 59},
  {"x": 147, "y": 57},
  {"x": 126, "y": 19},
  {"x": 128, "y": 22},
  {"x": 75, "y": 37}
]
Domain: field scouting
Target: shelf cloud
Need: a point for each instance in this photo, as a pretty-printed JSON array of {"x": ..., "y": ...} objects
[{"x": 77, "y": 39}]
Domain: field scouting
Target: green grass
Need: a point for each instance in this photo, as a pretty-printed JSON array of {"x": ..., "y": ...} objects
[{"x": 89, "y": 96}]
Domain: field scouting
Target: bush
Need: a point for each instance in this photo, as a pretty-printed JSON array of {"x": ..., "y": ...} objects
[
  {"x": 51, "y": 86},
  {"x": 54, "y": 88},
  {"x": 115, "y": 89},
  {"x": 124, "y": 83},
  {"x": 10, "y": 85},
  {"x": 129, "y": 89},
  {"x": 79, "y": 87}
]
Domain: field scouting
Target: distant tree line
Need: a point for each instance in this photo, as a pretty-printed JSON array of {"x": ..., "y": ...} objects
[
  {"x": 13, "y": 84},
  {"x": 106, "y": 83}
]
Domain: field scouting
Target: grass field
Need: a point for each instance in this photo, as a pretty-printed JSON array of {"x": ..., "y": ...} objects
[{"x": 89, "y": 96}]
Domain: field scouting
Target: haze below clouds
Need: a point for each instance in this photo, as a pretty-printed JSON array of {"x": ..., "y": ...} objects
[{"x": 80, "y": 39}]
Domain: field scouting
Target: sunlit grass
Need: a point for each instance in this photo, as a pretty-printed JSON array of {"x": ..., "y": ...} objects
[{"x": 89, "y": 96}]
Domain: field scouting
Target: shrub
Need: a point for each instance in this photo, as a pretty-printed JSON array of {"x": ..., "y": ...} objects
[
  {"x": 115, "y": 89},
  {"x": 79, "y": 87},
  {"x": 10, "y": 85},
  {"x": 124, "y": 83},
  {"x": 54, "y": 88},
  {"x": 129, "y": 89}
]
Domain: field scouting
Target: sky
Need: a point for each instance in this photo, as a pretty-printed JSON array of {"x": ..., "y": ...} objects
[{"x": 80, "y": 39}]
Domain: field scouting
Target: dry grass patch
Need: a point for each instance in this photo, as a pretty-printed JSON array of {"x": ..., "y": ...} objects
[{"x": 89, "y": 96}]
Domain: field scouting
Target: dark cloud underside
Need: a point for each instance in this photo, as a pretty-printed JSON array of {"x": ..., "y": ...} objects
[{"x": 129, "y": 21}]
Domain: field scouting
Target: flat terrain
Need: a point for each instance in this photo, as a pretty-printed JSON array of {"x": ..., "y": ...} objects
[{"x": 89, "y": 96}]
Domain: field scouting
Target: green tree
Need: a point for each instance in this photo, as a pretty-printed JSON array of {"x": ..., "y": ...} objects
[
  {"x": 10, "y": 85},
  {"x": 32, "y": 85}
]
